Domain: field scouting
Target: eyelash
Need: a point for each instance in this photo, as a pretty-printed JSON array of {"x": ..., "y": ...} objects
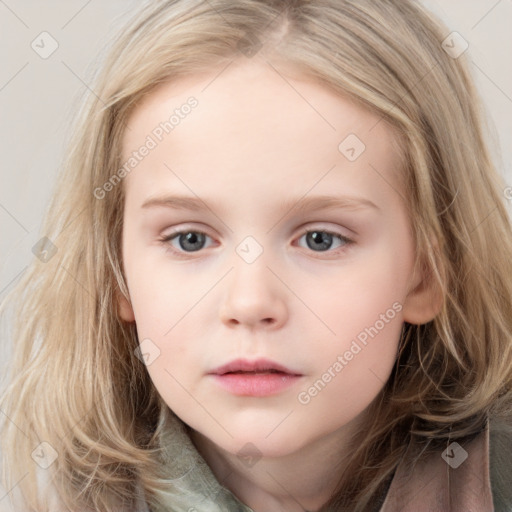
[{"x": 182, "y": 254}]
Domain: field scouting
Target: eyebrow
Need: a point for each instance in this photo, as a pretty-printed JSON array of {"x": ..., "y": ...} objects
[{"x": 310, "y": 203}]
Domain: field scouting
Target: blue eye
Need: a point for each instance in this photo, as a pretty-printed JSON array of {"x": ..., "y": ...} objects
[
  {"x": 323, "y": 240},
  {"x": 188, "y": 241}
]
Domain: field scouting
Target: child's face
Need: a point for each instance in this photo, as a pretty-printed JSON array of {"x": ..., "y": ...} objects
[{"x": 256, "y": 286}]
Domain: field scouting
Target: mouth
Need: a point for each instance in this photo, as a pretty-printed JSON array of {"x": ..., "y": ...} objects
[
  {"x": 259, "y": 366},
  {"x": 254, "y": 372},
  {"x": 258, "y": 378}
]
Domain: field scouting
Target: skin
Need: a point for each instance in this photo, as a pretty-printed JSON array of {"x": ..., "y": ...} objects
[{"x": 252, "y": 144}]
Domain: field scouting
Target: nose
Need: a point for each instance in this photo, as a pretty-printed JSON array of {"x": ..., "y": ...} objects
[{"x": 254, "y": 297}]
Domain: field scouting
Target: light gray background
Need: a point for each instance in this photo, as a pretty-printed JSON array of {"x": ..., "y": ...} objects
[{"x": 38, "y": 96}]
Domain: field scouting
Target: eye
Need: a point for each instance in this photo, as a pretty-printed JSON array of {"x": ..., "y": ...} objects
[
  {"x": 320, "y": 240},
  {"x": 187, "y": 240}
]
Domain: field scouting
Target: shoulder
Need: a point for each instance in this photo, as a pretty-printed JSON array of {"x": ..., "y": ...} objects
[{"x": 500, "y": 463}]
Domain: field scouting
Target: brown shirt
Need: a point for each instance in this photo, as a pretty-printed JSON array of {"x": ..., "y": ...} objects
[{"x": 456, "y": 480}]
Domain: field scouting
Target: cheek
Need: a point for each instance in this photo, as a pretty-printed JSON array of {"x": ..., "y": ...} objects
[
  {"x": 164, "y": 317},
  {"x": 352, "y": 371},
  {"x": 159, "y": 298},
  {"x": 178, "y": 356},
  {"x": 356, "y": 296},
  {"x": 365, "y": 345},
  {"x": 358, "y": 336}
]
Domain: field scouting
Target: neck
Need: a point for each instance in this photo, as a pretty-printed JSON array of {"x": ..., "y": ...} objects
[{"x": 297, "y": 482}]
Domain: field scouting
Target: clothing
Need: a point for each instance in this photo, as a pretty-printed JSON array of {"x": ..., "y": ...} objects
[
  {"x": 482, "y": 483},
  {"x": 471, "y": 477}
]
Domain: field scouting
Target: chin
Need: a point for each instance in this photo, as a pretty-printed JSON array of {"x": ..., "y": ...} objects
[{"x": 254, "y": 445}]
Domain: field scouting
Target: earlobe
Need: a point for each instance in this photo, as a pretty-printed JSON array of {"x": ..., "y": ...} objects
[
  {"x": 124, "y": 308},
  {"x": 424, "y": 300}
]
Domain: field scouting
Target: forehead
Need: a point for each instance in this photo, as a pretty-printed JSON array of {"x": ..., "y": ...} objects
[
  {"x": 244, "y": 90},
  {"x": 254, "y": 120}
]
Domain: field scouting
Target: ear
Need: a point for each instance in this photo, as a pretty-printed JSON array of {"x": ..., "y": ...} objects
[
  {"x": 124, "y": 307},
  {"x": 425, "y": 298}
]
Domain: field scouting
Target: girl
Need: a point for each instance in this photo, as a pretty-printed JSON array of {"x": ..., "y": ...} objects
[{"x": 275, "y": 274}]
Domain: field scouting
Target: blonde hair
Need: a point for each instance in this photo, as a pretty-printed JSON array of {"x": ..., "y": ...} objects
[{"x": 74, "y": 379}]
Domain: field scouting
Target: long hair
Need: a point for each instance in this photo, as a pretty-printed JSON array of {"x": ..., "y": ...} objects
[{"x": 75, "y": 382}]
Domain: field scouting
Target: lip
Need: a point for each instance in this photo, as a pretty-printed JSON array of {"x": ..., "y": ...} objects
[
  {"x": 258, "y": 365},
  {"x": 261, "y": 377}
]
